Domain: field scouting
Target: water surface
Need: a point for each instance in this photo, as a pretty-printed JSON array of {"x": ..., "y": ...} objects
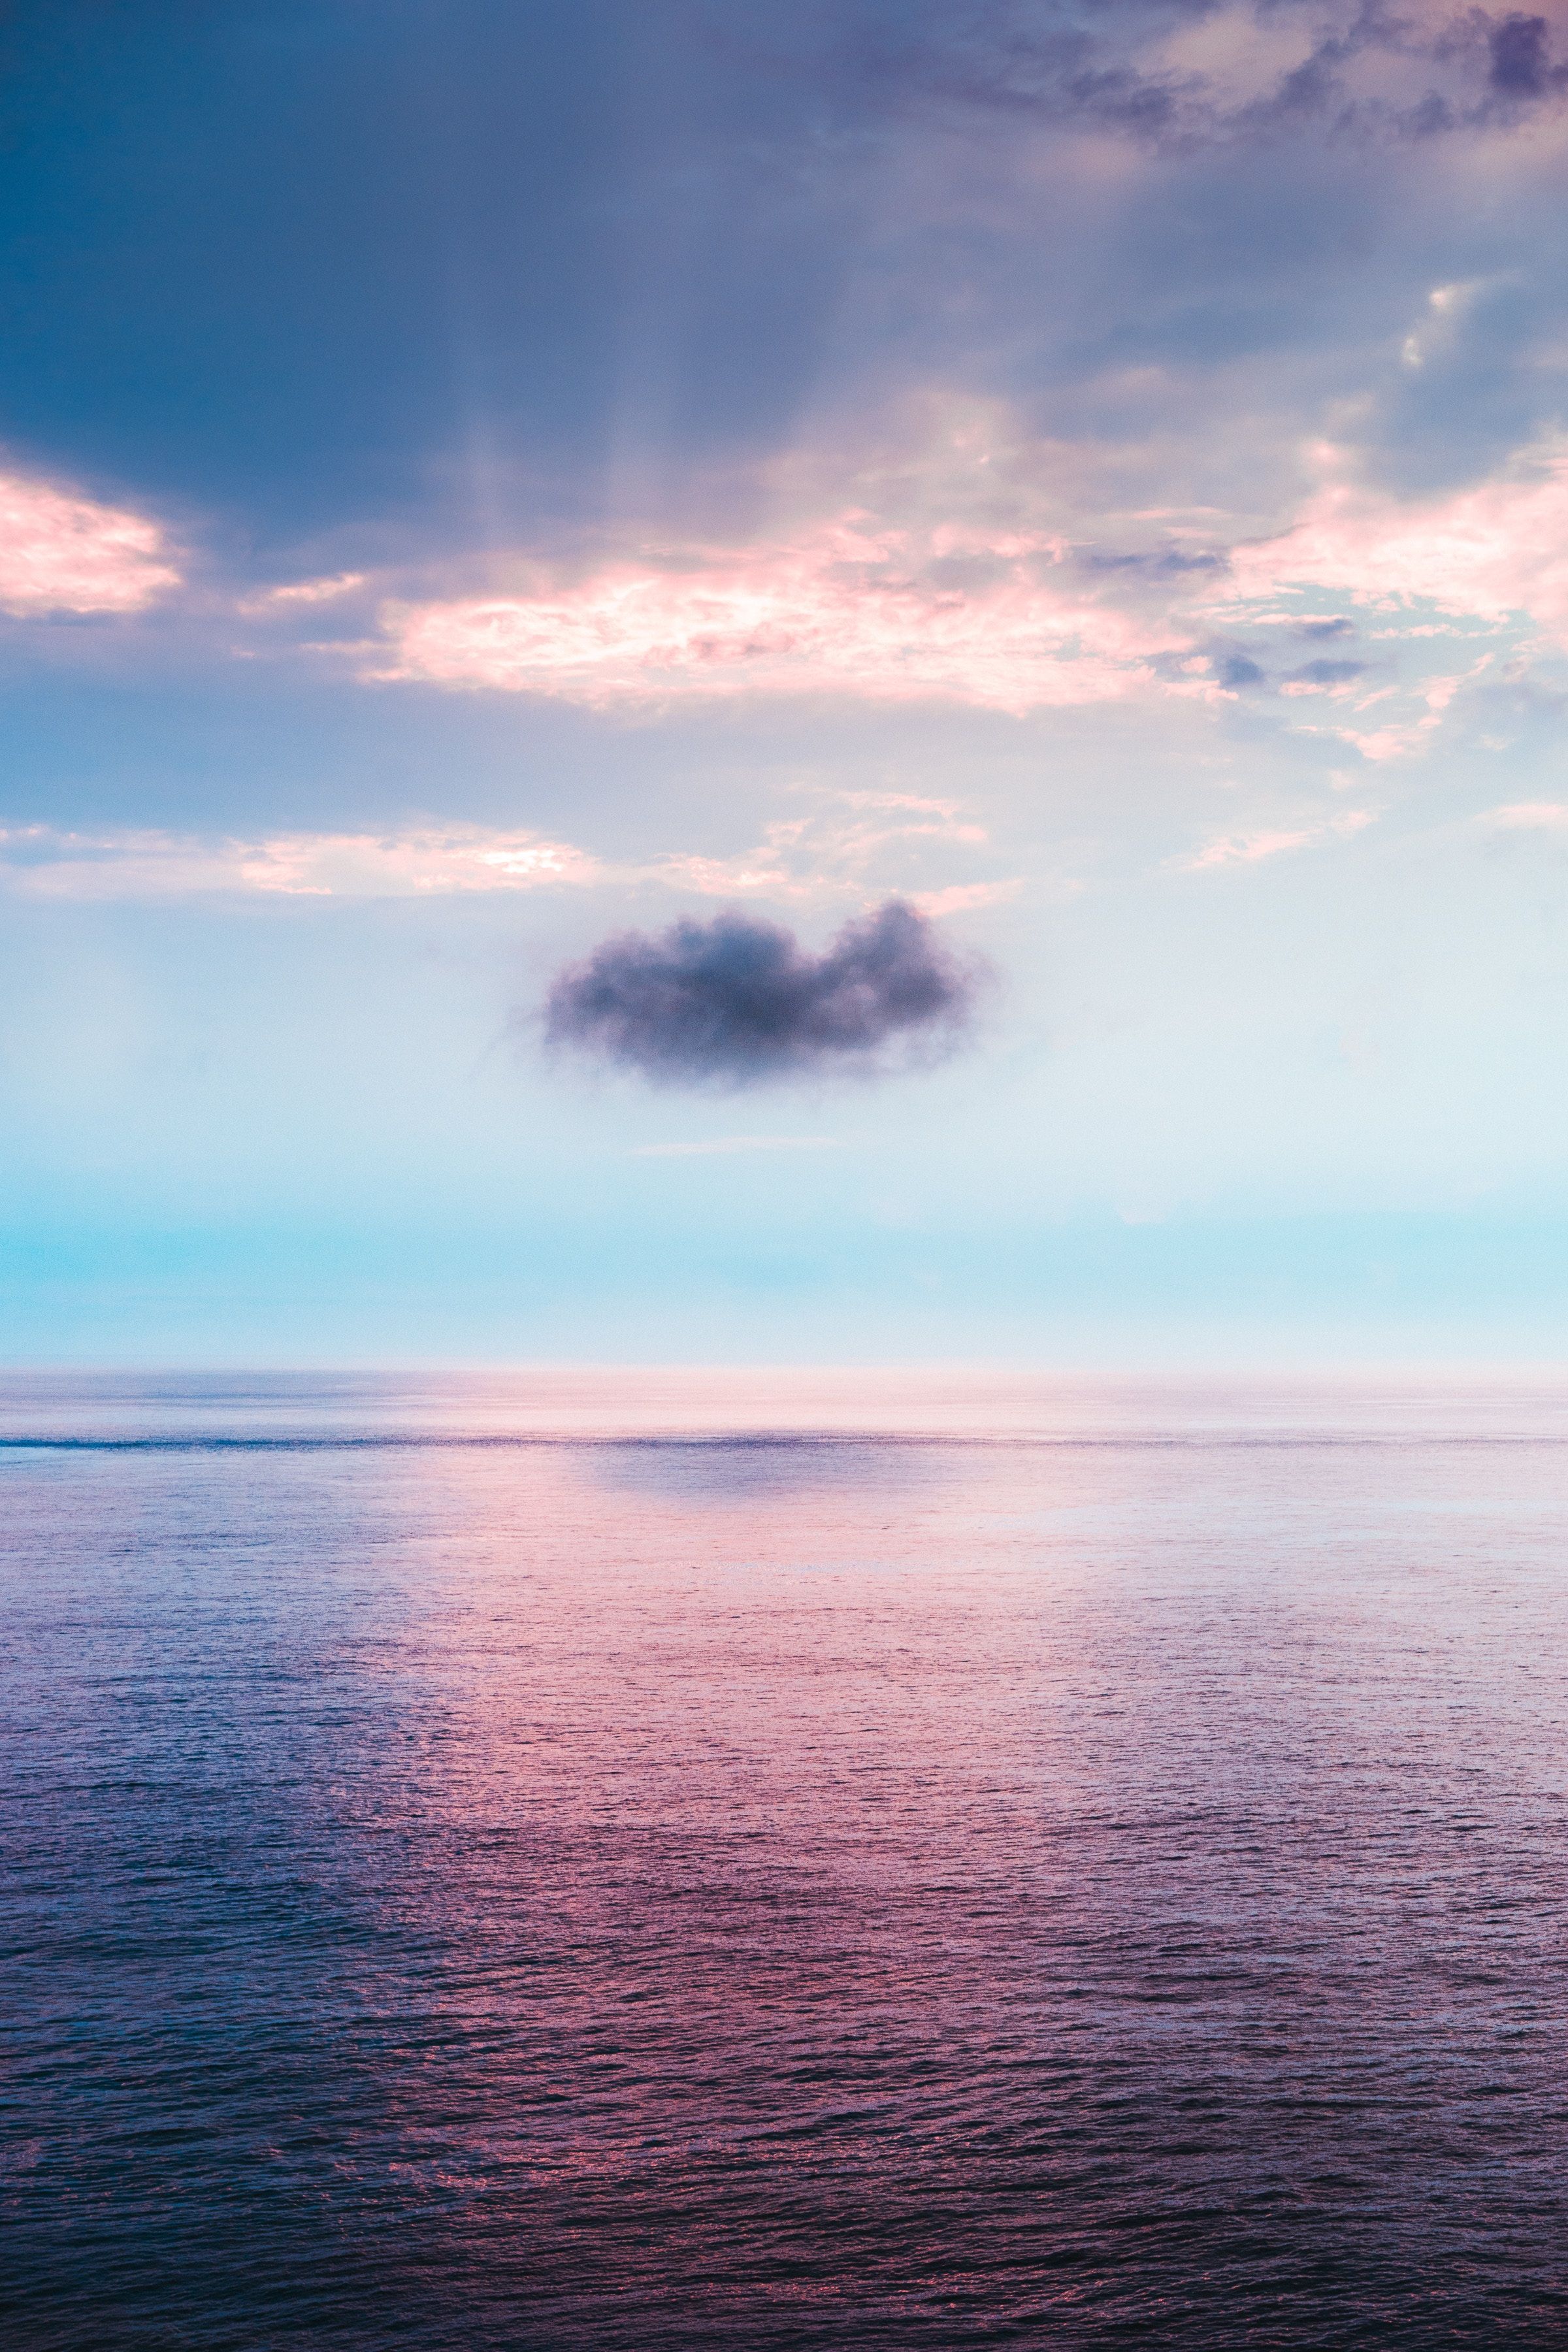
[{"x": 657, "y": 1862}]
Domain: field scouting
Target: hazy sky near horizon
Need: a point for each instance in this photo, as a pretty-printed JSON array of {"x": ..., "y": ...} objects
[{"x": 476, "y": 479}]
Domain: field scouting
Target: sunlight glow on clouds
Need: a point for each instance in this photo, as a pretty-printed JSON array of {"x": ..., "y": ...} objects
[
  {"x": 853, "y": 608},
  {"x": 1494, "y": 552},
  {"x": 987, "y": 601},
  {"x": 61, "y": 553}
]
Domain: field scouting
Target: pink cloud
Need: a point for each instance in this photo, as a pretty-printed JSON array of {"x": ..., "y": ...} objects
[
  {"x": 963, "y": 897},
  {"x": 1494, "y": 552},
  {"x": 306, "y": 591},
  {"x": 65, "y": 554},
  {"x": 413, "y": 864},
  {"x": 848, "y": 609},
  {"x": 1547, "y": 816},
  {"x": 1253, "y": 848},
  {"x": 1402, "y": 738}
]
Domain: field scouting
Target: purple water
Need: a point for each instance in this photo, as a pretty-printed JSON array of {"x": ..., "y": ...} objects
[{"x": 661, "y": 1863}]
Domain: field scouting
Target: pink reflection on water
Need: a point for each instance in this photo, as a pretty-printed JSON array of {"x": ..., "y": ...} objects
[{"x": 658, "y": 1885}]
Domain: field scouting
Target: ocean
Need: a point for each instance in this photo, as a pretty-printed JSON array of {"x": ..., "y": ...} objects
[{"x": 783, "y": 1862}]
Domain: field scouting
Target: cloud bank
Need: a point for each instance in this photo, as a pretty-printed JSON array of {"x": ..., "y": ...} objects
[
  {"x": 735, "y": 1000},
  {"x": 984, "y": 581}
]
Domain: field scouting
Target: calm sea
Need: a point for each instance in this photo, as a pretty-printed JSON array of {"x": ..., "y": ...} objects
[{"x": 673, "y": 1860}]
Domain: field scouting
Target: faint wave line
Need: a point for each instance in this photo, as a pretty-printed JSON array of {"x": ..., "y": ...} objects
[{"x": 757, "y": 1441}]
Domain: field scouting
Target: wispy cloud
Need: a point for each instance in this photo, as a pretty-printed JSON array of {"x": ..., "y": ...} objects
[
  {"x": 41, "y": 862},
  {"x": 60, "y": 553},
  {"x": 306, "y": 591},
  {"x": 727, "y": 1143},
  {"x": 853, "y": 840},
  {"x": 1496, "y": 553},
  {"x": 851, "y": 846},
  {"x": 1529, "y": 816},
  {"x": 1253, "y": 848}
]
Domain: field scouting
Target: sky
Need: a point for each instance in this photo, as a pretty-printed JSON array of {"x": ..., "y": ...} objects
[{"x": 496, "y": 496}]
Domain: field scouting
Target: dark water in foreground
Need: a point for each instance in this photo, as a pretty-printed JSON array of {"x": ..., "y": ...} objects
[{"x": 1091, "y": 1876}]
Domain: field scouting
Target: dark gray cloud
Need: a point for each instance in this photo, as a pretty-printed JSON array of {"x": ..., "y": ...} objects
[
  {"x": 1327, "y": 673},
  {"x": 736, "y": 1000},
  {"x": 1521, "y": 65},
  {"x": 1168, "y": 563}
]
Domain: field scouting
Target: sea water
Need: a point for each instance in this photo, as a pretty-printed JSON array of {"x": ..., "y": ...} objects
[{"x": 679, "y": 1861}]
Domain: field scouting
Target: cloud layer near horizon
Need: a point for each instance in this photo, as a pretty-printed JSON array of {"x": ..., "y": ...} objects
[{"x": 735, "y": 1002}]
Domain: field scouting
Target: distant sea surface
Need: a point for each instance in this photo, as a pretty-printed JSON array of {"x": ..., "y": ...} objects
[{"x": 779, "y": 1863}]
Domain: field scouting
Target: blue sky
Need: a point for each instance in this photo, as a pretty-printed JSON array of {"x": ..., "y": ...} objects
[{"x": 477, "y": 478}]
